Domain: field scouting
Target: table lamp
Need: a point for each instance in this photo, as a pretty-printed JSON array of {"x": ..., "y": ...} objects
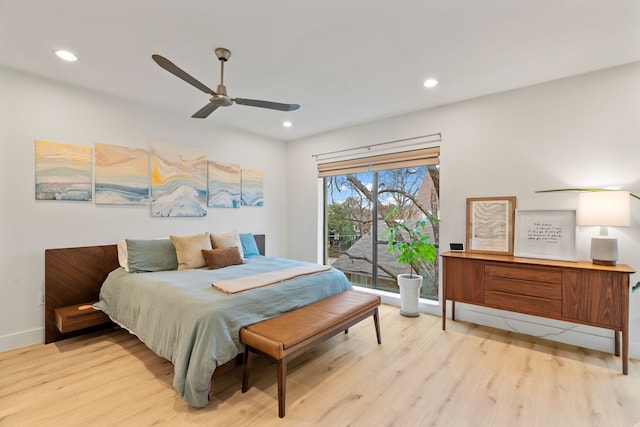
[{"x": 604, "y": 209}]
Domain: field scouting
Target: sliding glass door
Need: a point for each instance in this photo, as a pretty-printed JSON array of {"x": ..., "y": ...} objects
[{"x": 356, "y": 215}]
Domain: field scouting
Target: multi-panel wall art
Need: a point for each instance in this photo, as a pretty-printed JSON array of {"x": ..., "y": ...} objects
[
  {"x": 224, "y": 185},
  {"x": 173, "y": 179},
  {"x": 63, "y": 171},
  {"x": 252, "y": 187},
  {"x": 178, "y": 180},
  {"x": 121, "y": 175}
]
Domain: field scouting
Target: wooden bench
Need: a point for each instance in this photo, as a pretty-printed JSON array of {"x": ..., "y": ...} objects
[{"x": 284, "y": 337}]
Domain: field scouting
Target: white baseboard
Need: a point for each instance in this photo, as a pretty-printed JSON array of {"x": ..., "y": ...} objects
[
  {"x": 555, "y": 330},
  {"x": 565, "y": 332},
  {"x": 634, "y": 350},
  {"x": 591, "y": 337},
  {"x": 21, "y": 339}
]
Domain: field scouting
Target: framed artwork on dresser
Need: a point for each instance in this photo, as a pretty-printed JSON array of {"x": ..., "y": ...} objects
[{"x": 490, "y": 224}]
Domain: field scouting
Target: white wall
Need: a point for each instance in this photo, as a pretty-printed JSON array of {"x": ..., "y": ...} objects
[
  {"x": 32, "y": 108},
  {"x": 582, "y": 131}
]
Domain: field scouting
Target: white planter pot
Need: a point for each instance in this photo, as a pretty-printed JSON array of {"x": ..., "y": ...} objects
[{"x": 409, "y": 294}]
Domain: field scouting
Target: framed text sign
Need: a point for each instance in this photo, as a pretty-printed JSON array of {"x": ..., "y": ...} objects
[{"x": 546, "y": 234}]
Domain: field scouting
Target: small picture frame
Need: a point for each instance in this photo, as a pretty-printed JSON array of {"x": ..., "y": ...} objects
[
  {"x": 490, "y": 224},
  {"x": 546, "y": 234}
]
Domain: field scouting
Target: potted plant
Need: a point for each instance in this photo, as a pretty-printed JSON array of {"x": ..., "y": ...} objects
[{"x": 412, "y": 247}]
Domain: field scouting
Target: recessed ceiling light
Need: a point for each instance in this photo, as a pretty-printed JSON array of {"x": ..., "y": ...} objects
[
  {"x": 430, "y": 83},
  {"x": 66, "y": 55},
  {"x": 287, "y": 124}
]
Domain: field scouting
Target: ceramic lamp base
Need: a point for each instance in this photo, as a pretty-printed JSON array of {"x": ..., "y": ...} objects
[{"x": 604, "y": 250}]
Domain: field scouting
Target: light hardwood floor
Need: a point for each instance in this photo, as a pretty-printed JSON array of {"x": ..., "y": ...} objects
[{"x": 419, "y": 376}]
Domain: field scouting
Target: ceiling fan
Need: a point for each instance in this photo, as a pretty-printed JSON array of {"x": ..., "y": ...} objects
[{"x": 218, "y": 98}]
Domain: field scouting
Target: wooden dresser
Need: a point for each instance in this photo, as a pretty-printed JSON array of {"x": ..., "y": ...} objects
[{"x": 578, "y": 292}]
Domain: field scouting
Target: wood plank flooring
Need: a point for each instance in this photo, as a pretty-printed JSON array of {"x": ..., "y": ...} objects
[{"x": 420, "y": 376}]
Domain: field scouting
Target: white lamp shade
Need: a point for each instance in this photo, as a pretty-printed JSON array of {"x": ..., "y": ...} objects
[{"x": 604, "y": 208}]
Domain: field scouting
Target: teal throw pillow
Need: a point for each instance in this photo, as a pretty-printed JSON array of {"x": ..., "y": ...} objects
[{"x": 249, "y": 246}]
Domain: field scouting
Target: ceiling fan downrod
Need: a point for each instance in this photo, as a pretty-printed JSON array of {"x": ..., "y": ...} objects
[{"x": 221, "y": 99}]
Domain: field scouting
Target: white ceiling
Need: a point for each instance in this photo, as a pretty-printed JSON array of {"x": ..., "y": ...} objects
[{"x": 344, "y": 61}]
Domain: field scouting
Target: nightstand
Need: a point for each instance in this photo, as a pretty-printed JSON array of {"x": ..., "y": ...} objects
[{"x": 79, "y": 316}]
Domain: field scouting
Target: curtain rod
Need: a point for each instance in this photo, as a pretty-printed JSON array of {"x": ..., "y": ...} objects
[{"x": 370, "y": 146}]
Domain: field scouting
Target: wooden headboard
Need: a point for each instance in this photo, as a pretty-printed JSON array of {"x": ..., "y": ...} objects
[{"x": 75, "y": 275}]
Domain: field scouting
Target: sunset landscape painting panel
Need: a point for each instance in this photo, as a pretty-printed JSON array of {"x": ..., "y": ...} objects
[
  {"x": 252, "y": 187},
  {"x": 122, "y": 175},
  {"x": 178, "y": 180},
  {"x": 224, "y": 185},
  {"x": 62, "y": 171}
]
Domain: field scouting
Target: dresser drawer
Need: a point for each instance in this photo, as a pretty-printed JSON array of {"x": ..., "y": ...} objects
[
  {"x": 524, "y": 287},
  {"x": 79, "y": 316},
  {"x": 534, "y": 274},
  {"x": 523, "y": 303}
]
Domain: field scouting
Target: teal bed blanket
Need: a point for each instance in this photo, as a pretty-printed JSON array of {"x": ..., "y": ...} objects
[{"x": 181, "y": 317}]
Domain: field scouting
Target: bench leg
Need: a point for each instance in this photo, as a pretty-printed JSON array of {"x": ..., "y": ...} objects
[
  {"x": 376, "y": 321},
  {"x": 282, "y": 386},
  {"x": 248, "y": 357}
]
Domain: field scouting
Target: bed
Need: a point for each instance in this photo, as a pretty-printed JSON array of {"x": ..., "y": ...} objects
[{"x": 180, "y": 316}]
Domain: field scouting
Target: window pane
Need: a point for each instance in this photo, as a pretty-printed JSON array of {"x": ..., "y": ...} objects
[
  {"x": 412, "y": 194},
  {"x": 348, "y": 226},
  {"x": 354, "y": 243}
]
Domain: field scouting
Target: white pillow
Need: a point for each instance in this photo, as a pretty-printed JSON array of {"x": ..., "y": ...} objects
[
  {"x": 227, "y": 240},
  {"x": 123, "y": 255}
]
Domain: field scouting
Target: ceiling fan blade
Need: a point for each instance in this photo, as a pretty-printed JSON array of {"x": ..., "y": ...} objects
[
  {"x": 267, "y": 104},
  {"x": 179, "y": 72},
  {"x": 204, "y": 112}
]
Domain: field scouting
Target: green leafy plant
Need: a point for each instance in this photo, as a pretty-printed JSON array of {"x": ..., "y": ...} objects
[{"x": 411, "y": 243}]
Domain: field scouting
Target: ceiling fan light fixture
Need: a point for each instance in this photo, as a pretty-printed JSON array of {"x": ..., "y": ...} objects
[
  {"x": 429, "y": 83},
  {"x": 66, "y": 55},
  {"x": 221, "y": 100}
]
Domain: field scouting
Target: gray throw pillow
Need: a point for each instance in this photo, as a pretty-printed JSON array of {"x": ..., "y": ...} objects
[{"x": 151, "y": 255}]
